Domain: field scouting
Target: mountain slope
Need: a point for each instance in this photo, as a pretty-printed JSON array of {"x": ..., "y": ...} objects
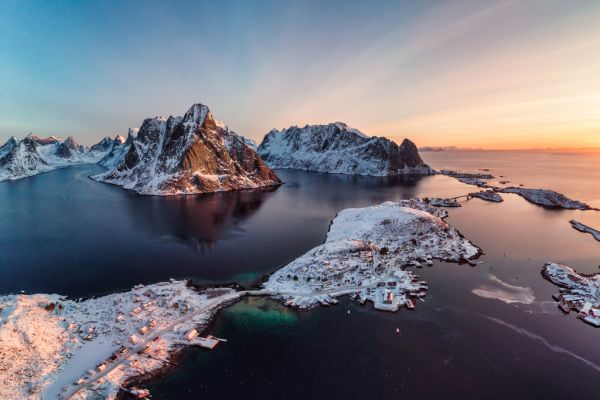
[
  {"x": 119, "y": 147},
  {"x": 189, "y": 154},
  {"x": 337, "y": 148}
]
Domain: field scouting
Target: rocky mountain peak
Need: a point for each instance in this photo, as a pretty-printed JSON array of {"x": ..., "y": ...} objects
[
  {"x": 338, "y": 148},
  {"x": 189, "y": 154}
]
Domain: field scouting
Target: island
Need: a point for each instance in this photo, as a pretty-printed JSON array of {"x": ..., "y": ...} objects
[
  {"x": 546, "y": 198},
  {"x": 487, "y": 195},
  {"x": 187, "y": 155},
  {"x": 579, "y": 292},
  {"x": 337, "y": 148},
  {"x": 585, "y": 229},
  {"x": 366, "y": 254}
]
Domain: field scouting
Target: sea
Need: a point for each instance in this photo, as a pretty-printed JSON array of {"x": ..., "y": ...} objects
[{"x": 490, "y": 331}]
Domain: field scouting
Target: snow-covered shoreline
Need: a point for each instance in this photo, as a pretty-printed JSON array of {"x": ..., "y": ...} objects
[
  {"x": 53, "y": 347},
  {"x": 579, "y": 292}
]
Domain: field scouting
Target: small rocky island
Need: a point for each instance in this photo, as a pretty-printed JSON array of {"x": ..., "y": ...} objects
[
  {"x": 546, "y": 198},
  {"x": 579, "y": 292},
  {"x": 338, "y": 149},
  {"x": 585, "y": 229},
  {"x": 487, "y": 195},
  {"x": 184, "y": 155}
]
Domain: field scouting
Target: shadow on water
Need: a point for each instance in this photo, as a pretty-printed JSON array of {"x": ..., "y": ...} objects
[{"x": 198, "y": 221}]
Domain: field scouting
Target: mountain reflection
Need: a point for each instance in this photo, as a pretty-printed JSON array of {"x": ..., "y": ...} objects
[{"x": 198, "y": 221}]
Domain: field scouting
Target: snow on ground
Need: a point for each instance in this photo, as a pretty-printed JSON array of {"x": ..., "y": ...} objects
[
  {"x": 33, "y": 155},
  {"x": 578, "y": 292},
  {"x": 585, "y": 229},
  {"x": 366, "y": 254},
  {"x": 546, "y": 198},
  {"x": 58, "y": 348}
]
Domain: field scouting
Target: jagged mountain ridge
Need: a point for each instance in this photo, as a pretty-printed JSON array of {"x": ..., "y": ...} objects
[
  {"x": 34, "y": 155},
  {"x": 337, "y": 148},
  {"x": 119, "y": 147},
  {"x": 189, "y": 154}
]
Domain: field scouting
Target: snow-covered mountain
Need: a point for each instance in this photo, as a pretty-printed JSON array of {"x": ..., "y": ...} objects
[
  {"x": 119, "y": 147},
  {"x": 189, "y": 154},
  {"x": 337, "y": 148},
  {"x": 34, "y": 155}
]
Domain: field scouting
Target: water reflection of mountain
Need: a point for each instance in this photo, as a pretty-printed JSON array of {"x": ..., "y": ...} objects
[{"x": 198, "y": 221}]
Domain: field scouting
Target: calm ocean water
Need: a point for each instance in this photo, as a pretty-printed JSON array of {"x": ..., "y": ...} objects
[{"x": 61, "y": 232}]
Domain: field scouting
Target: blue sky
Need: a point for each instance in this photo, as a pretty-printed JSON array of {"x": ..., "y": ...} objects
[{"x": 498, "y": 74}]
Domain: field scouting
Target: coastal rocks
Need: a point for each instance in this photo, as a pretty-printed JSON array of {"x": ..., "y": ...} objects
[
  {"x": 366, "y": 253},
  {"x": 487, "y": 195},
  {"x": 579, "y": 292},
  {"x": 546, "y": 198},
  {"x": 189, "y": 154},
  {"x": 49, "y": 342},
  {"x": 585, "y": 229},
  {"x": 476, "y": 179},
  {"x": 34, "y": 155},
  {"x": 337, "y": 148},
  {"x": 438, "y": 202}
]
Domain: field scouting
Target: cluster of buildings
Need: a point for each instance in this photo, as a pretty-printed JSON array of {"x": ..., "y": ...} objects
[{"x": 578, "y": 292}]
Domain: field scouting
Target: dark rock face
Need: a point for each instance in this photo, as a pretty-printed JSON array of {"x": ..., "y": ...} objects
[
  {"x": 189, "y": 154},
  {"x": 68, "y": 148},
  {"x": 337, "y": 148},
  {"x": 118, "y": 148},
  {"x": 103, "y": 145}
]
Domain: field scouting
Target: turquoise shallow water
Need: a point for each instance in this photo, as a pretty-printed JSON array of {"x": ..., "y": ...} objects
[{"x": 62, "y": 232}]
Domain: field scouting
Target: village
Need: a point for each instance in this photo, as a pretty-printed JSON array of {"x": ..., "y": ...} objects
[
  {"x": 577, "y": 292},
  {"x": 91, "y": 348}
]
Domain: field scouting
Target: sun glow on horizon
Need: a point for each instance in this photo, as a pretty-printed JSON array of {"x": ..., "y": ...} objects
[{"x": 508, "y": 75}]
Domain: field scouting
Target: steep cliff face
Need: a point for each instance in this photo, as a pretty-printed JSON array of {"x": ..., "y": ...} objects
[
  {"x": 337, "y": 148},
  {"x": 189, "y": 154}
]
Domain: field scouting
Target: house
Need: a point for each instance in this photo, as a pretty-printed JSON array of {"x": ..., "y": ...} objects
[
  {"x": 191, "y": 335},
  {"x": 389, "y": 297}
]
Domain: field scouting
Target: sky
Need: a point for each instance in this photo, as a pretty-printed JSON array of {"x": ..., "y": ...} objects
[{"x": 492, "y": 74}]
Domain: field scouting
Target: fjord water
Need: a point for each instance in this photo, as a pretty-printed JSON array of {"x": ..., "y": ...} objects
[{"x": 62, "y": 232}]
